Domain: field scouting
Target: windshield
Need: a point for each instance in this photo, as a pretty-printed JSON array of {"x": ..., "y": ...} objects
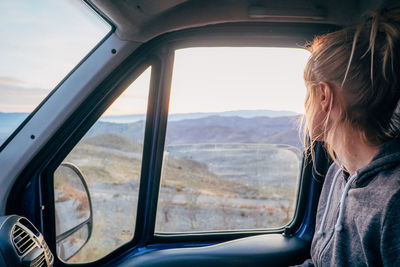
[{"x": 41, "y": 42}]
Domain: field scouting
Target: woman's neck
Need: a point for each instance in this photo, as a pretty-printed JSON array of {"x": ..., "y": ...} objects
[{"x": 354, "y": 153}]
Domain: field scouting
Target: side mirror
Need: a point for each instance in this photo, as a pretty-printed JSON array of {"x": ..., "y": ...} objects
[{"x": 73, "y": 210}]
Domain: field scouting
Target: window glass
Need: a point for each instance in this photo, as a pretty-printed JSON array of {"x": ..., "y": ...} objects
[
  {"x": 41, "y": 42},
  {"x": 233, "y": 153},
  {"x": 110, "y": 158}
]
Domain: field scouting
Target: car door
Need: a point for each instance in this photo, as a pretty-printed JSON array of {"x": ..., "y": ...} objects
[
  {"x": 203, "y": 187},
  {"x": 181, "y": 168}
]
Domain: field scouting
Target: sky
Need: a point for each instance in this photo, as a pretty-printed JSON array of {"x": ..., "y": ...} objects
[
  {"x": 41, "y": 42},
  {"x": 224, "y": 79},
  {"x": 44, "y": 40},
  {"x": 229, "y": 78}
]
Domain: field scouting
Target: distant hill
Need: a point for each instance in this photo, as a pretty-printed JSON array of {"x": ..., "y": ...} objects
[
  {"x": 242, "y": 126},
  {"x": 185, "y": 116},
  {"x": 218, "y": 129},
  {"x": 9, "y": 122},
  {"x": 113, "y": 141},
  {"x": 133, "y": 131},
  {"x": 213, "y": 129}
]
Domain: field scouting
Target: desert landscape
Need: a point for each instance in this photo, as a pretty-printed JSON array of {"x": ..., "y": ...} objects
[{"x": 220, "y": 172}]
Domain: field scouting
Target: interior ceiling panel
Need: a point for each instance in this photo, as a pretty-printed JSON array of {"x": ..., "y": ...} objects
[{"x": 142, "y": 20}]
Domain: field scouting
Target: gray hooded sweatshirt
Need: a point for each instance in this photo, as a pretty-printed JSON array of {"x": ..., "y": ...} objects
[{"x": 358, "y": 219}]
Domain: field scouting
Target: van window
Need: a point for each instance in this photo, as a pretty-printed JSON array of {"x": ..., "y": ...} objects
[
  {"x": 110, "y": 159},
  {"x": 233, "y": 153},
  {"x": 41, "y": 42}
]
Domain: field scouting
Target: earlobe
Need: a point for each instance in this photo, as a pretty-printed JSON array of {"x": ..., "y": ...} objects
[{"x": 326, "y": 96}]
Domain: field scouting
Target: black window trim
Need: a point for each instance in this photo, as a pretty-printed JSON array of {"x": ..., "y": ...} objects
[{"x": 118, "y": 86}]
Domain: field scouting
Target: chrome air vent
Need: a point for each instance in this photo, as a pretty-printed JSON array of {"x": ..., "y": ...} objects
[
  {"x": 47, "y": 251},
  {"x": 23, "y": 242},
  {"x": 39, "y": 261}
]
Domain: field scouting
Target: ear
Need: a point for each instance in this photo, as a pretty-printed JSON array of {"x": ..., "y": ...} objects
[{"x": 325, "y": 96}]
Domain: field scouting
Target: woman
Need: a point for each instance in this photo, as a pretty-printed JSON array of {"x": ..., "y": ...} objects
[{"x": 353, "y": 84}]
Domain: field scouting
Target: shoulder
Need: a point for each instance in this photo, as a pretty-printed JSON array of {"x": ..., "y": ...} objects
[
  {"x": 386, "y": 183},
  {"x": 390, "y": 235},
  {"x": 391, "y": 211},
  {"x": 384, "y": 189}
]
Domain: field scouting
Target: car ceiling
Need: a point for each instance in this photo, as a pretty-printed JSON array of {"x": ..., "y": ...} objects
[{"x": 142, "y": 20}]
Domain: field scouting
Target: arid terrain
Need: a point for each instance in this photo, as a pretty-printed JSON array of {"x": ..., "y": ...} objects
[{"x": 219, "y": 173}]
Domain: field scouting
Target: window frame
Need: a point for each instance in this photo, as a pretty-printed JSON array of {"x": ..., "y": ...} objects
[
  {"x": 158, "y": 53},
  {"x": 247, "y": 35},
  {"x": 209, "y": 234},
  {"x": 91, "y": 110}
]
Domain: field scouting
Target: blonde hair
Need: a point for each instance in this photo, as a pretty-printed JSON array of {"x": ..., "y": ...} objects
[{"x": 362, "y": 66}]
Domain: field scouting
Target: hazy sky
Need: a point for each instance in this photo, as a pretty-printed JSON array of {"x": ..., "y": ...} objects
[
  {"x": 41, "y": 42},
  {"x": 41, "y": 46},
  {"x": 224, "y": 79}
]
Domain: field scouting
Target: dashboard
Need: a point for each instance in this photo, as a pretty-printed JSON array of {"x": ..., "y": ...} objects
[{"x": 21, "y": 244}]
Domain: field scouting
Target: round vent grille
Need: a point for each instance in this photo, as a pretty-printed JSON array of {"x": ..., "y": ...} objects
[{"x": 23, "y": 242}]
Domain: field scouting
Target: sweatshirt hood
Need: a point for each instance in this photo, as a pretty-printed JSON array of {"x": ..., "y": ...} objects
[{"x": 387, "y": 158}]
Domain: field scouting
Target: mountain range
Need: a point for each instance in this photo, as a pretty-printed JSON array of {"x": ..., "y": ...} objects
[
  {"x": 198, "y": 115},
  {"x": 241, "y": 126},
  {"x": 214, "y": 129}
]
